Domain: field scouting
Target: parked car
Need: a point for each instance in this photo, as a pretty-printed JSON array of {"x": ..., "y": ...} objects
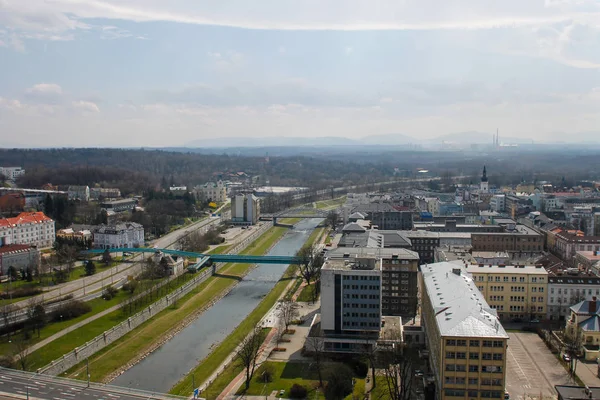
[
  {"x": 535, "y": 321},
  {"x": 418, "y": 373},
  {"x": 566, "y": 357},
  {"x": 506, "y": 395}
]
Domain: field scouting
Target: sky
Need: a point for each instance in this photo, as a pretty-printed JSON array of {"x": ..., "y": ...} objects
[{"x": 168, "y": 73}]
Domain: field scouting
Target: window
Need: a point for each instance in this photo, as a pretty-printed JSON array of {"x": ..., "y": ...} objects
[
  {"x": 461, "y": 368},
  {"x": 487, "y": 343},
  {"x": 450, "y": 367},
  {"x": 498, "y": 343},
  {"x": 497, "y": 356},
  {"x": 461, "y": 342},
  {"x": 461, "y": 355},
  {"x": 473, "y": 368},
  {"x": 474, "y": 343},
  {"x": 450, "y": 354},
  {"x": 486, "y": 356},
  {"x": 473, "y": 356},
  {"x": 473, "y": 381}
]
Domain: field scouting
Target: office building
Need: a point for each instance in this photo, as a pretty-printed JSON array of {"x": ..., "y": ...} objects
[
  {"x": 518, "y": 239},
  {"x": 399, "y": 277},
  {"x": 466, "y": 342},
  {"x": 385, "y": 216},
  {"x": 31, "y": 228},
  {"x": 11, "y": 173},
  {"x": 568, "y": 289},
  {"x": 497, "y": 203},
  {"x": 245, "y": 209},
  {"x": 350, "y": 303},
  {"x": 516, "y": 292}
]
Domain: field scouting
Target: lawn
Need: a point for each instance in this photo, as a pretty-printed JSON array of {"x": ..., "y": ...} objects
[
  {"x": 307, "y": 293},
  {"x": 284, "y": 376},
  {"x": 139, "y": 341},
  {"x": 330, "y": 204},
  {"x": 381, "y": 391},
  {"x": 78, "y": 337}
]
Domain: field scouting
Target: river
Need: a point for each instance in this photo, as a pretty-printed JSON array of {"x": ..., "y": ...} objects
[{"x": 162, "y": 369}]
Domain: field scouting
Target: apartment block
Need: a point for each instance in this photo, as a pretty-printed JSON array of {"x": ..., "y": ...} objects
[
  {"x": 467, "y": 344},
  {"x": 399, "y": 277},
  {"x": 245, "y": 209},
  {"x": 520, "y": 239},
  {"x": 31, "y": 228},
  {"x": 516, "y": 292}
]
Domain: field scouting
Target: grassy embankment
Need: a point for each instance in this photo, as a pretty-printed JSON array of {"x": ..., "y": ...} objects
[
  {"x": 330, "y": 204},
  {"x": 204, "y": 370},
  {"x": 141, "y": 340}
]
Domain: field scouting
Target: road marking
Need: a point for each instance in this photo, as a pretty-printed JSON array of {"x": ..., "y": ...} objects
[
  {"x": 6, "y": 377},
  {"x": 68, "y": 394},
  {"x": 518, "y": 365}
]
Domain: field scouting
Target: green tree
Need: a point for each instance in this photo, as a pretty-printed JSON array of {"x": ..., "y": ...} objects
[
  {"x": 90, "y": 268},
  {"x": 36, "y": 315},
  {"x": 12, "y": 273},
  {"x": 106, "y": 257},
  {"x": 339, "y": 382}
]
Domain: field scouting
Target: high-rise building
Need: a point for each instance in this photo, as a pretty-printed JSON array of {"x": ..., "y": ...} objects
[
  {"x": 245, "y": 209},
  {"x": 466, "y": 342}
]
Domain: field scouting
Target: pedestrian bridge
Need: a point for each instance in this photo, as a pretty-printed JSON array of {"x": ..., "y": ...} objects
[
  {"x": 299, "y": 212},
  {"x": 215, "y": 258}
]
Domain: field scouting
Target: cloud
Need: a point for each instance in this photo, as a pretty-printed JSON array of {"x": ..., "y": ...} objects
[
  {"x": 348, "y": 50},
  {"x": 44, "y": 88},
  {"x": 228, "y": 61},
  {"x": 86, "y": 106}
]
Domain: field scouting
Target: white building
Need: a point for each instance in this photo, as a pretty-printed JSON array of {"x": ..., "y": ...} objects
[
  {"x": 484, "y": 187},
  {"x": 354, "y": 285},
  {"x": 79, "y": 193},
  {"x": 32, "y": 228},
  {"x": 11, "y": 173},
  {"x": 567, "y": 290},
  {"x": 120, "y": 235},
  {"x": 245, "y": 209},
  {"x": 213, "y": 191},
  {"x": 498, "y": 203},
  {"x": 107, "y": 193}
]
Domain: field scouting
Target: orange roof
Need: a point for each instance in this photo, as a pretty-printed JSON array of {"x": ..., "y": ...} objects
[{"x": 25, "y": 218}]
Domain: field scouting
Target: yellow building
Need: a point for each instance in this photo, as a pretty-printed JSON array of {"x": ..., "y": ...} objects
[
  {"x": 585, "y": 323},
  {"x": 466, "y": 342},
  {"x": 516, "y": 292}
]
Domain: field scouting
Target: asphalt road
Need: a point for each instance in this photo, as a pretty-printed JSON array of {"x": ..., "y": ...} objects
[{"x": 44, "y": 387}]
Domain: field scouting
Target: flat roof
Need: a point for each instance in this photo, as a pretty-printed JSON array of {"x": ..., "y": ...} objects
[
  {"x": 371, "y": 264},
  {"x": 506, "y": 269},
  {"x": 460, "y": 308},
  {"x": 589, "y": 255},
  {"x": 371, "y": 252},
  {"x": 519, "y": 230},
  {"x": 577, "y": 392}
]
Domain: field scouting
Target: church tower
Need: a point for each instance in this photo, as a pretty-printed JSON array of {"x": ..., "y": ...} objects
[{"x": 484, "y": 187}]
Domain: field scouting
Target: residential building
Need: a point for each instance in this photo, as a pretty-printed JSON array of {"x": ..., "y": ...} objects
[
  {"x": 567, "y": 243},
  {"x": 584, "y": 322},
  {"x": 20, "y": 256},
  {"x": 31, "y": 228},
  {"x": 245, "y": 209},
  {"x": 104, "y": 193},
  {"x": 516, "y": 292},
  {"x": 399, "y": 283},
  {"x": 213, "y": 191},
  {"x": 174, "y": 265},
  {"x": 350, "y": 303},
  {"x": 520, "y": 240},
  {"x": 424, "y": 243},
  {"x": 587, "y": 260},
  {"x": 466, "y": 342},
  {"x": 75, "y": 235},
  {"x": 12, "y": 173},
  {"x": 119, "y": 205},
  {"x": 120, "y": 235},
  {"x": 497, "y": 203},
  {"x": 451, "y": 226},
  {"x": 81, "y": 193},
  {"x": 568, "y": 289},
  {"x": 385, "y": 216}
]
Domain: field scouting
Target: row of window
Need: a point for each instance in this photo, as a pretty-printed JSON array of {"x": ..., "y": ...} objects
[
  {"x": 360, "y": 278},
  {"x": 361, "y": 315},
  {"x": 576, "y": 291},
  {"x": 361, "y": 287},
  {"x": 487, "y": 394},
  {"x": 361, "y": 296},
  {"x": 459, "y": 380},
  {"x": 475, "y": 343},
  {"x": 347, "y": 324},
  {"x": 355, "y": 305},
  {"x": 474, "y": 368},
  {"x": 461, "y": 355}
]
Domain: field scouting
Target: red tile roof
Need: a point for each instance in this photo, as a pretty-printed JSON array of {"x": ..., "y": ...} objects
[
  {"x": 25, "y": 218},
  {"x": 14, "y": 247}
]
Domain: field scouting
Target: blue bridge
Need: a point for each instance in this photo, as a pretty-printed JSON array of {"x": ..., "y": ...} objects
[{"x": 206, "y": 259}]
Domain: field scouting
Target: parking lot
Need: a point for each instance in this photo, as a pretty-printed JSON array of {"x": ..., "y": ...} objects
[{"x": 532, "y": 369}]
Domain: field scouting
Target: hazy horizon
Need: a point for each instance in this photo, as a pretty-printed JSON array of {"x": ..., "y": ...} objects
[{"x": 134, "y": 73}]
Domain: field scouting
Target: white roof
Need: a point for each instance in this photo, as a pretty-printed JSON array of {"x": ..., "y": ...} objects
[
  {"x": 507, "y": 269},
  {"x": 460, "y": 307}
]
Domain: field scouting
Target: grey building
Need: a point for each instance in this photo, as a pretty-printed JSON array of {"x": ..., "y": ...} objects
[
  {"x": 20, "y": 256},
  {"x": 119, "y": 205},
  {"x": 385, "y": 216}
]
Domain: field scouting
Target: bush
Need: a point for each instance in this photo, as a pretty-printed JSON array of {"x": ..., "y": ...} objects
[
  {"x": 6, "y": 362},
  {"x": 21, "y": 292},
  {"x": 130, "y": 286},
  {"x": 60, "y": 299},
  {"x": 109, "y": 293},
  {"x": 71, "y": 309},
  {"x": 298, "y": 392}
]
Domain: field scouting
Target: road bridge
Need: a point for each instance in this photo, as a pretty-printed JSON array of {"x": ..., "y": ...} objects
[{"x": 298, "y": 212}]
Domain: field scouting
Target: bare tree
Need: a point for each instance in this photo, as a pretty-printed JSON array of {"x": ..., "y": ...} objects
[
  {"x": 21, "y": 352},
  {"x": 247, "y": 353},
  {"x": 36, "y": 314},
  {"x": 287, "y": 312},
  {"x": 316, "y": 346},
  {"x": 369, "y": 349},
  {"x": 67, "y": 255},
  {"x": 399, "y": 360},
  {"x": 573, "y": 339},
  {"x": 332, "y": 219},
  {"x": 311, "y": 261},
  {"x": 7, "y": 312}
]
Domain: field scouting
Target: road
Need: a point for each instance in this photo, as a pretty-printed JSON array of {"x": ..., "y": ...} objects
[
  {"x": 46, "y": 387},
  {"x": 91, "y": 287}
]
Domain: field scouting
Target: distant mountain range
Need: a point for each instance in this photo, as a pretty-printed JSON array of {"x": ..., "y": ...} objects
[{"x": 391, "y": 139}]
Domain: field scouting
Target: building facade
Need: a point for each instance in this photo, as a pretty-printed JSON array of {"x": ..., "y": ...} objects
[
  {"x": 213, "y": 191},
  {"x": 31, "y": 228},
  {"x": 399, "y": 277},
  {"x": 566, "y": 244},
  {"x": 466, "y": 342},
  {"x": 104, "y": 193},
  {"x": 516, "y": 292},
  {"x": 350, "y": 303},
  {"x": 119, "y": 205},
  {"x": 584, "y": 322},
  {"x": 81, "y": 193},
  {"x": 19, "y": 256},
  {"x": 245, "y": 209},
  {"x": 567, "y": 290},
  {"x": 120, "y": 235},
  {"x": 521, "y": 239},
  {"x": 12, "y": 173},
  {"x": 497, "y": 203}
]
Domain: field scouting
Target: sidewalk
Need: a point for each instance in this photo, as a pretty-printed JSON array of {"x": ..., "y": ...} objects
[{"x": 588, "y": 373}]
